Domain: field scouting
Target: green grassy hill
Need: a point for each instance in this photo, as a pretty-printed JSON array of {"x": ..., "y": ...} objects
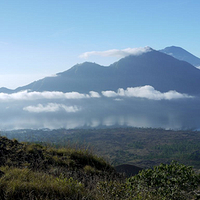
[{"x": 31, "y": 171}]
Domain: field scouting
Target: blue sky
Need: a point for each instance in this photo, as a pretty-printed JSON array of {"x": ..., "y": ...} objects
[{"x": 39, "y": 38}]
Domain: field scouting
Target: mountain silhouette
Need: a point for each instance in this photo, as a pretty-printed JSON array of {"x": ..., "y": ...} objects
[
  {"x": 182, "y": 54},
  {"x": 154, "y": 68},
  {"x": 148, "y": 106}
]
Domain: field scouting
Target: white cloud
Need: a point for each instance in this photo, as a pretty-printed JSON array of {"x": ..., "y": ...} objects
[
  {"x": 26, "y": 95},
  {"x": 51, "y": 107},
  {"x": 52, "y": 75},
  {"x": 143, "y": 92},
  {"x": 110, "y": 93},
  {"x": 198, "y": 67},
  {"x": 94, "y": 94},
  {"x": 146, "y": 91},
  {"x": 117, "y": 52}
]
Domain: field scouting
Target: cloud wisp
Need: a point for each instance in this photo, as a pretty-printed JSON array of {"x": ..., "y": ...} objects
[
  {"x": 117, "y": 52},
  {"x": 147, "y": 92},
  {"x": 51, "y": 107}
]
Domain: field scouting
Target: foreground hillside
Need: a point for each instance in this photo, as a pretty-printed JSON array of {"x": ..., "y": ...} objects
[
  {"x": 32, "y": 171},
  {"x": 143, "y": 147}
]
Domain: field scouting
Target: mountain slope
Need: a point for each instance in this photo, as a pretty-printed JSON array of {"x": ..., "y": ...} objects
[
  {"x": 5, "y": 90},
  {"x": 80, "y": 78},
  {"x": 154, "y": 68},
  {"x": 159, "y": 70},
  {"x": 182, "y": 54}
]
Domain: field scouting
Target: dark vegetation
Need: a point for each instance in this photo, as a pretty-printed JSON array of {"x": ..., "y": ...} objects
[
  {"x": 34, "y": 171},
  {"x": 142, "y": 147}
]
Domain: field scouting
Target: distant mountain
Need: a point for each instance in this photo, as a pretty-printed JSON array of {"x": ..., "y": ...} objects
[
  {"x": 5, "y": 90},
  {"x": 154, "y": 68},
  {"x": 80, "y": 78},
  {"x": 182, "y": 54},
  {"x": 146, "y": 107}
]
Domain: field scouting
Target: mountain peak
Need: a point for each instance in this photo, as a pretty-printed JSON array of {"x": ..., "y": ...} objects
[
  {"x": 181, "y": 54},
  {"x": 148, "y": 48}
]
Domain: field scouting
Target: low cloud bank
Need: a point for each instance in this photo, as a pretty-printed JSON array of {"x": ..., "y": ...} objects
[
  {"x": 51, "y": 107},
  {"x": 102, "y": 112},
  {"x": 26, "y": 95},
  {"x": 117, "y": 52},
  {"x": 147, "y": 92}
]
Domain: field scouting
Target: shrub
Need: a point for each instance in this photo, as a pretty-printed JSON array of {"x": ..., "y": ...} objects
[
  {"x": 120, "y": 190},
  {"x": 173, "y": 181},
  {"x": 90, "y": 170}
]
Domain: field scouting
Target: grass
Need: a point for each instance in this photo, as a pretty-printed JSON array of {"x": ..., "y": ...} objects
[
  {"x": 26, "y": 184},
  {"x": 31, "y": 171}
]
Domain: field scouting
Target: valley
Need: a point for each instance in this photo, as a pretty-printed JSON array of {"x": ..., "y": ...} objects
[{"x": 142, "y": 147}]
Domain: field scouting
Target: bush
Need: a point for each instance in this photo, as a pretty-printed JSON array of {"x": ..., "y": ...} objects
[
  {"x": 173, "y": 181},
  {"x": 121, "y": 190}
]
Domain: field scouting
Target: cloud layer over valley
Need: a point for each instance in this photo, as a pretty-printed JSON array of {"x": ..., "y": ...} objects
[
  {"x": 147, "y": 92},
  {"x": 28, "y": 96},
  {"x": 140, "y": 106}
]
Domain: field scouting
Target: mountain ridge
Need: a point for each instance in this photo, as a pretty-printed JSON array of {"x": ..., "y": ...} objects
[{"x": 155, "y": 68}]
